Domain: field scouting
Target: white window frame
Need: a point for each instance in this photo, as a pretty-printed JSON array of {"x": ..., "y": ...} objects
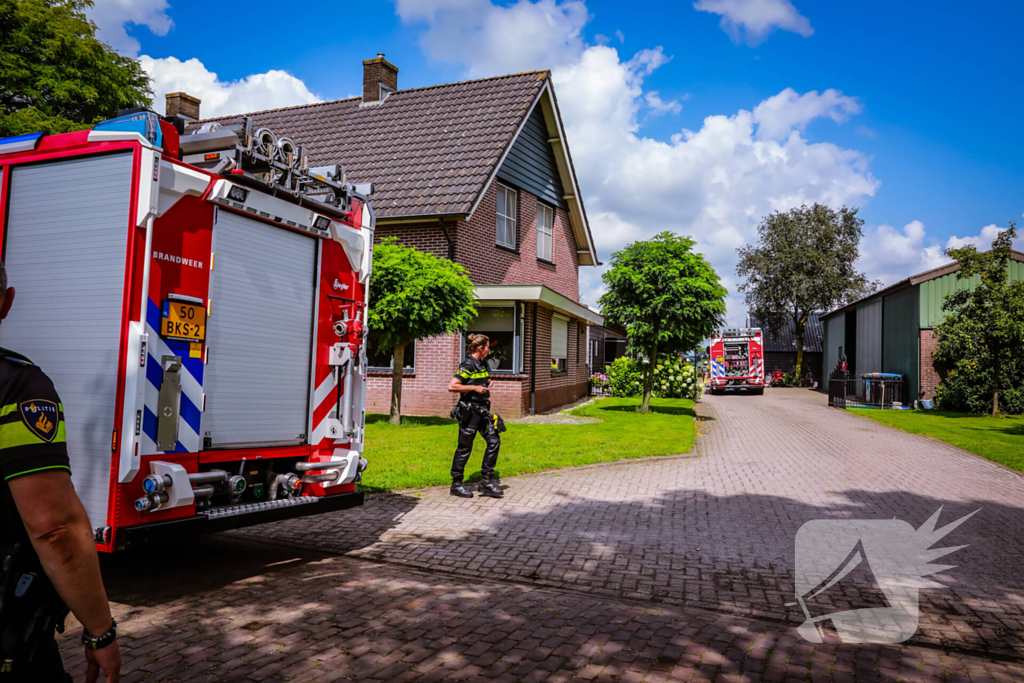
[
  {"x": 562, "y": 367},
  {"x": 546, "y": 231},
  {"x": 511, "y": 199},
  {"x": 412, "y": 368}
]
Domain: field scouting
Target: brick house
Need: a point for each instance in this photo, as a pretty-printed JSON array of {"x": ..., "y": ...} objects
[{"x": 478, "y": 172}]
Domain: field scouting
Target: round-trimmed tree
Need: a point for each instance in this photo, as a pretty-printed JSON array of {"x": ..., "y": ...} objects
[
  {"x": 668, "y": 297},
  {"x": 414, "y": 295}
]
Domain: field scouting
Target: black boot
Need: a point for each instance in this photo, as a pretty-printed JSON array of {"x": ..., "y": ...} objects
[
  {"x": 459, "y": 489},
  {"x": 490, "y": 489}
]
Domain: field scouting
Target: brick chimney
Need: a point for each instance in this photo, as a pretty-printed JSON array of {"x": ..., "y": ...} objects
[
  {"x": 183, "y": 105},
  {"x": 380, "y": 78}
]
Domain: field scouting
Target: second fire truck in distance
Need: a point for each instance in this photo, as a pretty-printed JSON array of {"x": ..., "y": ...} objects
[{"x": 737, "y": 361}]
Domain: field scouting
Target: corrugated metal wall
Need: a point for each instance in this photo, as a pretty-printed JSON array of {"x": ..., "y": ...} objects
[
  {"x": 933, "y": 292},
  {"x": 900, "y": 338},
  {"x": 835, "y": 338},
  {"x": 869, "y": 337},
  {"x": 530, "y": 163}
]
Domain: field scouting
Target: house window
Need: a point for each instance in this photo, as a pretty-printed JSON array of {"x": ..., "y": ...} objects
[
  {"x": 559, "y": 343},
  {"x": 384, "y": 359},
  {"x": 506, "y": 233},
  {"x": 545, "y": 225},
  {"x": 499, "y": 324}
]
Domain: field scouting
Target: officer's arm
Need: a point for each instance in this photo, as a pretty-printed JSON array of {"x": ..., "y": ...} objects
[
  {"x": 458, "y": 387},
  {"x": 59, "y": 529}
]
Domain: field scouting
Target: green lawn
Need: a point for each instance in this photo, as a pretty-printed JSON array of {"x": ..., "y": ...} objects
[
  {"x": 419, "y": 452},
  {"x": 1000, "y": 439}
]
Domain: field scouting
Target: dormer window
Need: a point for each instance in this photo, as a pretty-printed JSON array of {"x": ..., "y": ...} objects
[{"x": 506, "y": 228}]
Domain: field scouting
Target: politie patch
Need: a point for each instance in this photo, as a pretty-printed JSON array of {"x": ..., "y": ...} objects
[{"x": 41, "y": 418}]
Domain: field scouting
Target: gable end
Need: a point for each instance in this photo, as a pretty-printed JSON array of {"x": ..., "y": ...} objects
[{"x": 531, "y": 165}]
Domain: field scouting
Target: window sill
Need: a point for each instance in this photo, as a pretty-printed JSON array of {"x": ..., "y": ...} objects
[
  {"x": 372, "y": 372},
  {"x": 507, "y": 376},
  {"x": 511, "y": 250},
  {"x": 545, "y": 261}
]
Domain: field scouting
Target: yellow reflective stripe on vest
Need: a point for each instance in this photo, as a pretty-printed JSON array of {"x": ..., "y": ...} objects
[
  {"x": 481, "y": 374},
  {"x": 17, "y": 434}
]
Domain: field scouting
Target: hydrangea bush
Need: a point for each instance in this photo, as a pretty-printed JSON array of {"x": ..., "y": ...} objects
[{"x": 673, "y": 378}]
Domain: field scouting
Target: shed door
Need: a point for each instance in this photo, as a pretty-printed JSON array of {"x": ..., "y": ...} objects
[
  {"x": 260, "y": 334},
  {"x": 869, "y": 337},
  {"x": 835, "y": 338},
  {"x": 67, "y": 226}
]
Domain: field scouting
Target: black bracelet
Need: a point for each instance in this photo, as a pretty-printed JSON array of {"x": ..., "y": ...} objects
[{"x": 100, "y": 642}]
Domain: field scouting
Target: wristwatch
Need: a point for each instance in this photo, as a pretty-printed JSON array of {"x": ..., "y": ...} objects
[{"x": 100, "y": 642}]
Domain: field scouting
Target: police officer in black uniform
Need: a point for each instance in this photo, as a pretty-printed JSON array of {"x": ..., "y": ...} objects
[
  {"x": 472, "y": 382},
  {"x": 48, "y": 559}
]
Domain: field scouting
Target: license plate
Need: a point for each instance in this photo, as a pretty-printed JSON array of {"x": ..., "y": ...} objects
[{"x": 183, "y": 321}]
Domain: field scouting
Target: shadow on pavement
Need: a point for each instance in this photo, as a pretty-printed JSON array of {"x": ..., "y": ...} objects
[
  {"x": 280, "y": 602},
  {"x": 732, "y": 554}
]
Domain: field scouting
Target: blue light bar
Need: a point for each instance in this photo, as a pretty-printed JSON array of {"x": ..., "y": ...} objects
[
  {"x": 20, "y": 143},
  {"x": 145, "y": 123}
]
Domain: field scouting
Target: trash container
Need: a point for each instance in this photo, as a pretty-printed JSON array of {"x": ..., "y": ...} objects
[{"x": 882, "y": 388}]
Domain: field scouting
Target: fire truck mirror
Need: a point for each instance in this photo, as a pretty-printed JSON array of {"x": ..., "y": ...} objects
[{"x": 169, "y": 404}]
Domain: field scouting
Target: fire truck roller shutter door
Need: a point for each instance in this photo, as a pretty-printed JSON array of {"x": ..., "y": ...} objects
[
  {"x": 260, "y": 334},
  {"x": 66, "y": 231}
]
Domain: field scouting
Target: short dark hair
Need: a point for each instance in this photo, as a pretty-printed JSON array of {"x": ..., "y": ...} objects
[{"x": 3, "y": 278}]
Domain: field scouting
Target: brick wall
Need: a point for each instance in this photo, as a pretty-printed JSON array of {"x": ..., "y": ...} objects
[
  {"x": 489, "y": 264},
  {"x": 427, "y": 236},
  {"x": 554, "y": 389},
  {"x": 930, "y": 378},
  {"x": 425, "y": 390}
]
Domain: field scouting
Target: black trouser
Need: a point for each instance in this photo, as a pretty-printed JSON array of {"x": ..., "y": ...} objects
[
  {"x": 471, "y": 424},
  {"x": 46, "y": 666}
]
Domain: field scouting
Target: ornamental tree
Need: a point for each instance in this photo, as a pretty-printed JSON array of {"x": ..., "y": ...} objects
[
  {"x": 414, "y": 295},
  {"x": 981, "y": 339},
  {"x": 667, "y": 297},
  {"x": 55, "y": 75},
  {"x": 804, "y": 261}
]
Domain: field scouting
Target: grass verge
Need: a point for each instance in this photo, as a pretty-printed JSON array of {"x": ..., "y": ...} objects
[
  {"x": 1000, "y": 439},
  {"x": 419, "y": 452}
]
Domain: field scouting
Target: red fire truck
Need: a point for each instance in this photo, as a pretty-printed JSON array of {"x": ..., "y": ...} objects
[
  {"x": 737, "y": 361},
  {"x": 200, "y": 303}
]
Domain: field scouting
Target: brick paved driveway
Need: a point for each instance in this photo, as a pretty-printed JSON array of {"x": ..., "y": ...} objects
[{"x": 670, "y": 569}]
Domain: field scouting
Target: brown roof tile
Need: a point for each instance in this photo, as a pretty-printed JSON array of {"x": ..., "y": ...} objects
[{"x": 428, "y": 151}]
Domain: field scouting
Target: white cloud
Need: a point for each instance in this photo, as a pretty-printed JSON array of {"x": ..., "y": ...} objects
[
  {"x": 489, "y": 38},
  {"x": 781, "y": 114},
  {"x": 752, "y": 20},
  {"x": 253, "y": 93},
  {"x": 713, "y": 184},
  {"x": 658, "y": 106},
  {"x": 983, "y": 240},
  {"x": 890, "y": 255},
  {"x": 112, "y": 16}
]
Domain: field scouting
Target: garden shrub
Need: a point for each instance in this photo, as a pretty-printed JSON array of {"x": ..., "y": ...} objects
[
  {"x": 966, "y": 380},
  {"x": 673, "y": 378},
  {"x": 625, "y": 378}
]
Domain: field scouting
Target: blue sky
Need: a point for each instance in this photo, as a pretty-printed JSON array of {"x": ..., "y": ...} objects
[{"x": 911, "y": 111}]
